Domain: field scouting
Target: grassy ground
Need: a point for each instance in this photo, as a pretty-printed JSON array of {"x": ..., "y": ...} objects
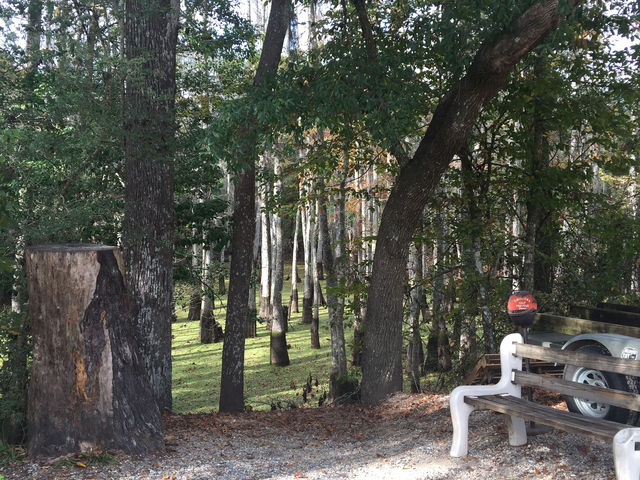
[{"x": 196, "y": 367}]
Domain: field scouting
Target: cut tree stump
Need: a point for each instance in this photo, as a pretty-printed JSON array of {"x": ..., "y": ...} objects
[{"x": 88, "y": 388}]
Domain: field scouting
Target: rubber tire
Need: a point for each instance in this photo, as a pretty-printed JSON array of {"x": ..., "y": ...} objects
[{"x": 612, "y": 380}]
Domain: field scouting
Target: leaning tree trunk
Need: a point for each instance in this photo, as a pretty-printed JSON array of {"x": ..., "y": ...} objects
[
  {"x": 449, "y": 128},
  {"x": 150, "y": 34},
  {"x": 232, "y": 382},
  {"x": 89, "y": 389}
]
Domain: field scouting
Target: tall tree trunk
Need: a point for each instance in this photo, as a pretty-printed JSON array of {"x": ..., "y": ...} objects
[
  {"x": 414, "y": 349},
  {"x": 195, "y": 299},
  {"x": 151, "y": 30},
  {"x": 339, "y": 385},
  {"x": 307, "y": 294},
  {"x": 252, "y": 314},
  {"x": 207, "y": 318},
  {"x": 232, "y": 381},
  {"x": 293, "y": 301},
  {"x": 319, "y": 251},
  {"x": 278, "y": 344},
  {"x": 449, "y": 129},
  {"x": 315, "y": 316},
  {"x": 265, "y": 254}
]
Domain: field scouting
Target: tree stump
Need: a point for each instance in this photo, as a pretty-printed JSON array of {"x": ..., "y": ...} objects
[{"x": 88, "y": 387}]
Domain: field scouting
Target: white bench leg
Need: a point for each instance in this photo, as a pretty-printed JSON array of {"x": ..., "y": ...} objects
[
  {"x": 517, "y": 431},
  {"x": 460, "y": 412},
  {"x": 625, "y": 455}
]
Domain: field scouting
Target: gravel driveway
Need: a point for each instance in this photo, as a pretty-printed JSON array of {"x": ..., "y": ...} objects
[{"x": 406, "y": 438}]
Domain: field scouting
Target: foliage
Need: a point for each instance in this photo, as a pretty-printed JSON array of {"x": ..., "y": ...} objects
[{"x": 15, "y": 351}]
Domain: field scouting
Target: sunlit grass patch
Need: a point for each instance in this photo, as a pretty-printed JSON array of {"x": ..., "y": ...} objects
[{"x": 197, "y": 367}]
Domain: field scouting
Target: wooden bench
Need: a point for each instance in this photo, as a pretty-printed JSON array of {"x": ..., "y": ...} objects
[{"x": 505, "y": 397}]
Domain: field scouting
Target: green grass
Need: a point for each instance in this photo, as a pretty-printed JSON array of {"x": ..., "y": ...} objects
[{"x": 197, "y": 367}]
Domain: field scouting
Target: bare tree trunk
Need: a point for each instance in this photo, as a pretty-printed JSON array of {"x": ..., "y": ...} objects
[
  {"x": 293, "y": 302},
  {"x": 252, "y": 315},
  {"x": 315, "y": 317},
  {"x": 265, "y": 255},
  {"x": 278, "y": 345},
  {"x": 440, "y": 327},
  {"x": 151, "y": 32},
  {"x": 232, "y": 381},
  {"x": 307, "y": 233},
  {"x": 195, "y": 299},
  {"x": 207, "y": 318}
]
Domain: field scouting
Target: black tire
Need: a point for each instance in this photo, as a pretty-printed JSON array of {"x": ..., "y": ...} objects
[{"x": 596, "y": 377}]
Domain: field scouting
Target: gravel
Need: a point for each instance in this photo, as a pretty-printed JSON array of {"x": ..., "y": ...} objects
[{"x": 406, "y": 438}]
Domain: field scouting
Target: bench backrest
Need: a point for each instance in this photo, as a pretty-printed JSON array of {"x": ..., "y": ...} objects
[{"x": 596, "y": 361}]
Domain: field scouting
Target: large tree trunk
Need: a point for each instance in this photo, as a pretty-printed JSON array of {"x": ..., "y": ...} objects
[
  {"x": 88, "y": 388},
  {"x": 151, "y": 30},
  {"x": 449, "y": 129},
  {"x": 278, "y": 342},
  {"x": 232, "y": 382}
]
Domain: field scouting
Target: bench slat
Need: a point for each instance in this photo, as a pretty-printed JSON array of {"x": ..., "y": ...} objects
[
  {"x": 570, "y": 422},
  {"x": 608, "y": 396},
  {"x": 623, "y": 366}
]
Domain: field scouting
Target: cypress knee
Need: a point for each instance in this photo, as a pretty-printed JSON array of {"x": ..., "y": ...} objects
[{"x": 88, "y": 385}]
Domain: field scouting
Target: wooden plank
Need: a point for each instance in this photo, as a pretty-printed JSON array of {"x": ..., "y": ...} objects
[
  {"x": 604, "y": 315},
  {"x": 607, "y": 396},
  {"x": 620, "y": 307},
  {"x": 576, "y": 326},
  {"x": 623, "y": 366},
  {"x": 567, "y": 421}
]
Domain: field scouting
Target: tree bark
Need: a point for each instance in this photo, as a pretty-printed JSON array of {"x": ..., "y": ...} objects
[
  {"x": 293, "y": 300},
  {"x": 265, "y": 255},
  {"x": 414, "y": 348},
  {"x": 315, "y": 312},
  {"x": 151, "y": 30},
  {"x": 449, "y": 129},
  {"x": 195, "y": 299},
  {"x": 252, "y": 315},
  {"x": 88, "y": 388},
  {"x": 307, "y": 294},
  {"x": 232, "y": 381},
  {"x": 339, "y": 385},
  {"x": 278, "y": 342}
]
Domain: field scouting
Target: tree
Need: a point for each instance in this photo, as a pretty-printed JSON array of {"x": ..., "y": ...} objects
[
  {"x": 452, "y": 119},
  {"x": 150, "y": 33},
  {"x": 232, "y": 381}
]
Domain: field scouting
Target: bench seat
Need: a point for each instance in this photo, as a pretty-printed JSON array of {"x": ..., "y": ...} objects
[{"x": 567, "y": 421}]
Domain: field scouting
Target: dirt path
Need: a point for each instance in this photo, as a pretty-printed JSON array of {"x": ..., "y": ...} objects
[{"x": 407, "y": 438}]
